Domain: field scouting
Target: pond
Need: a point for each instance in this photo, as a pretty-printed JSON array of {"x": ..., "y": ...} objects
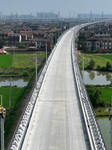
[
  {"x": 104, "y": 124},
  {"x": 19, "y": 82},
  {"x": 100, "y": 78},
  {"x": 97, "y": 78}
]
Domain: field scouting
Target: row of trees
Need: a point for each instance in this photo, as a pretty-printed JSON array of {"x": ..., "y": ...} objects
[
  {"x": 94, "y": 95},
  {"x": 91, "y": 66},
  {"x": 82, "y": 43},
  {"x": 1, "y": 43},
  {"x": 108, "y": 67}
]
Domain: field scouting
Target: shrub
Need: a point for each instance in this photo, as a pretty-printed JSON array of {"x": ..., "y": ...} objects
[
  {"x": 91, "y": 64},
  {"x": 108, "y": 66},
  {"x": 20, "y": 46},
  {"x": 25, "y": 73},
  {"x": 94, "y": 95},
  {"x": 99, "y": 68},
  {"x": 103, "y": 69}
]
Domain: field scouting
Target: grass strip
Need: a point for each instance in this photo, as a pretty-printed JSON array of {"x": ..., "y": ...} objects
[
  {"x": 100, "y": 60},
  {"x": 6, "y": 61}
]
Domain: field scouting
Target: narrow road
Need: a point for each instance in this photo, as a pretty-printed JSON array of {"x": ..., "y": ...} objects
[{"x": 57, "y": 121}]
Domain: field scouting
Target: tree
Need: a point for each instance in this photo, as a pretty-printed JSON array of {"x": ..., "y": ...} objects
[
  {"x": 99, "y": 68},
  {"x": 92, "y": 75},
  {"x": 1, "y": 43},
  {"x": 91, "y": 64},
  {"x": 94, "y": 95},
  {"x": 82, "y": 37},
  {"x": 82, "y": 45},
  {"x": 20, "y": 46},
  {"x": 108, "y": 66},
  {"x": 93, "y": 47},
  {"x": 25, "y": 73}
]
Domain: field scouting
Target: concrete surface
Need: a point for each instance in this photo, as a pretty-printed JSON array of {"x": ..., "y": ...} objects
[{"x": 57, "y": 121}]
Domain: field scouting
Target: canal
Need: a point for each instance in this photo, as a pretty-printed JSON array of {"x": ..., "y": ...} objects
[
  {"x": 19, "y": 82},
  {"x": 97, "y": 78},
  {"x": 100, "y": 78},
  {"x": 90, "y": 77},
  {"x": 104, "y": 124}
]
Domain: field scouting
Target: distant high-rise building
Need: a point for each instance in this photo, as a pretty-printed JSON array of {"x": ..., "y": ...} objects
[
  {"x": 31, "y": 15},
  {"x": 93, "y": 16},
  {"x": 16, "y": 15},
  {"x": 0, "y": 15},
  {"x": 58, "y": 14},
  {"x": 70, "y": 14},
  {"x": 44, "y": 15},
  {"x": 74, "y": 15},
  {"x": 11, "y": 15},
  {"x": 102, "y": 15}
]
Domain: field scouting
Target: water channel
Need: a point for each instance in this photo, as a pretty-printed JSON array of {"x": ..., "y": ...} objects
[
  {"x": 104, "y": 124},
  {"x": 19, "y": 82},
  {"x": 100, "y": 78},
  {"x": 97, "y": 78},
  {"x": 90, "y": 77}
]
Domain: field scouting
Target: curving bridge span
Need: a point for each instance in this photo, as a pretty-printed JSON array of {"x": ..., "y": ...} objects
[{"x": 59, "y": 115}]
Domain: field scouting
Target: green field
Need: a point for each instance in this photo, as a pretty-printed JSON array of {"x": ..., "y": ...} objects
[
  {"x": 100, "y": 60},
  {"x": 15, "y": 66},
  {"x": 20, "y": 60},
  {"x": 105, "y": 99},
  {"x": 106, "y": 94},
  {"x": 23, "y": 60},
  {"x": 16, "y": 93},
  {"x": 6, "y": 60},
  {"x": 109, "y": 57}
]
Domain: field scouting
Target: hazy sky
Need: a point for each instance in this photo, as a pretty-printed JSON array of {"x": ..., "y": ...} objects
[{"x": 64, "y": 6}]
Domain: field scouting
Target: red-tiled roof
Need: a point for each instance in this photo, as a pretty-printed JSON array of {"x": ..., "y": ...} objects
[{"x": 2, "y": 51}]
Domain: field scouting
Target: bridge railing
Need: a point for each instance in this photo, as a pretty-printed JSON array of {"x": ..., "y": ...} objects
[
  {"x": 93, "y": 130},
  {"x": 19, "y": 135},
  {"x": 22, "y": 127}
]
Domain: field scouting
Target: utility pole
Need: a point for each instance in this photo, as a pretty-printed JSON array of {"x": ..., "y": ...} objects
[
  {"x": 36, "y": 68},
  {"x": 2, "y": 133},
  {"x": 10, "y": 95},
  {"x": 13, "y": 54},
  {"x": 1, "y": 100},
  {"x": 83, "y": 68},
  {"x": 2, "y": 116},
  {"x": 51, "y": 43},
  {"x": 46, "y": 51},
  {"x": 35, "y": 44},
  {"x": 110, "y": 118},
  {"x": 55, "y": 37}
]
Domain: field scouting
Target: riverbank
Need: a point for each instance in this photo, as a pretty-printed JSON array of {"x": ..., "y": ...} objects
[
  {"x": 102, "y": 112},
  {"x": 104, "y": 124},
  {"x": 100, "y": 60},
  {"x": 102, "y": 81},
  {"x": 17, "y": 65},
  {"x": 100, "y": 98}
]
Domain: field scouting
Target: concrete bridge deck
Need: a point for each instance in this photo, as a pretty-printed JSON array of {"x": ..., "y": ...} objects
[{"x": 57, "y": 122}]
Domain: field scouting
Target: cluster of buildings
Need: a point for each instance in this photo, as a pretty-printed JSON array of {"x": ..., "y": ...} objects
[
  {"x": 39, "y": 15},
  {"x": 30, "y": 34},
  {"x": 93, "y": 16},
  {"x": 98, "y": 37},
  {"x": 36, "y": 35}
]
